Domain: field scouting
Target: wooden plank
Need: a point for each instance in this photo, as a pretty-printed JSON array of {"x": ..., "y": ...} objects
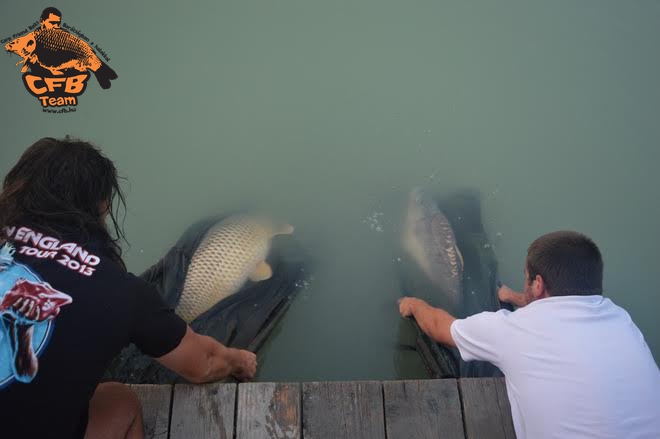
[
  {"x": 423, "y": 409},
  {"x": 483, "y": 413},
  {"x": 339, "y": 410},
  {"x": 505, "y": 408},
  {"x": 155, "y": 400},
  {"x": 203, "y": 411},
  {"x": 268, "y": 411}
]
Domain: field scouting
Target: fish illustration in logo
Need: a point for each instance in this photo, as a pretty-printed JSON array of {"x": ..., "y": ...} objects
[
  {"x": 24, "y": 47},
  {"x": 57, "y": 51}
]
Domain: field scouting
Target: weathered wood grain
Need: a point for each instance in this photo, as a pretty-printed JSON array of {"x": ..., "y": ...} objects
[
  {"x": 423, "y": 409},
  {"x": 483, "y": 411},
  {"x": 203, "y": 411},
  {"x": 337, "y": 410},
  {"x": 367, "y": 409},
  {"x": 268, "y": 411},
  {"x": 155, "y": 400},
  {"x": 505, "y": 408}
]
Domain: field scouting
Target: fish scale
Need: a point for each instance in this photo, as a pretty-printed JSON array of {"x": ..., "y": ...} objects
[
  {"x": 221, "y": 265},
  {"x": 429, "y": 239},
  {"x": 58, "y": 40}
]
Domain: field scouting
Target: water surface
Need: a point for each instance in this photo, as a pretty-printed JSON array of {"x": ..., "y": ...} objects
[{"x": 329, "y": 112}]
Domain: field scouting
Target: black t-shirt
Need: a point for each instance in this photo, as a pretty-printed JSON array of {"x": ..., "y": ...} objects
[{"x": 66, "y": 309}]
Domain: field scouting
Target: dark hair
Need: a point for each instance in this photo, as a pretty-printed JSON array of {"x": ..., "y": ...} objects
[
  {"x": 58, "y": 186},
  {"x": 46, "y": 13},
  {"x": 569, "y": 263}
]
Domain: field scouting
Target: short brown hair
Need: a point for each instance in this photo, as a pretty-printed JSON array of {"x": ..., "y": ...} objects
[{"x": 569, "y": 263}]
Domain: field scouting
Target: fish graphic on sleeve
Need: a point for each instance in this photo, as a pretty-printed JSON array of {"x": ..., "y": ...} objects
[
  {"x": 28, "y": 308},
  {"x": 25, "y": 305}
]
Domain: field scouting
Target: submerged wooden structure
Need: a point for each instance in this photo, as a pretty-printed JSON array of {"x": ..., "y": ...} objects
[{"x": 446, "y": 408}]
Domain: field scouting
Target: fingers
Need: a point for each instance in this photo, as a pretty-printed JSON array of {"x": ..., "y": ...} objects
[
  {"x": 507, "y": 295},
  {"x": 404, "y": 307},
  {"x": 247, "y": 367},
  {"x": 407, "y": 306},
  {"x": 26, "y": 308}
]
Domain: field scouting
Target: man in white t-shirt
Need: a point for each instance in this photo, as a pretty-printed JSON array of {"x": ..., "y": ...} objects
[{"x": 575, "y": 364}]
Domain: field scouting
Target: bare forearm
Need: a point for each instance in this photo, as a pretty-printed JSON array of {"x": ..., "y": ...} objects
[
  {"x": 220, "y": 362},
  {"x": 435, "y": 322},
  {"x": 201, "y": 359}
]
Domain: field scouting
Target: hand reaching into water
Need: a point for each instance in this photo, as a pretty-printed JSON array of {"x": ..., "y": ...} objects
[
  {"x": 407, "y": 305},
  {"x": 507, "y": 295}
]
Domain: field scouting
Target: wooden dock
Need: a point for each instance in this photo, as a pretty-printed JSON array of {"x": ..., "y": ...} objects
[{"x": 448, "y": 408}]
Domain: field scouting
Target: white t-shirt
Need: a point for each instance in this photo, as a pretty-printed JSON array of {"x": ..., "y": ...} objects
[{"x": 575, "y": 367}]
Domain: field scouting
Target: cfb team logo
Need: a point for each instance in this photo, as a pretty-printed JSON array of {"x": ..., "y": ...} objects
[
  {"x": 56, "y": 63},
  {"x": 28, "y": 308}
]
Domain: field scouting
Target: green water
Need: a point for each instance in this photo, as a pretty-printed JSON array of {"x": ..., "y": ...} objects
[{"x": 329, "y": 112}]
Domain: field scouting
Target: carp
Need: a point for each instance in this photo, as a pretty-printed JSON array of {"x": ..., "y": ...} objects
[
  {"x": 429, "y": 239},
  {"x": 231, "y": 252}
]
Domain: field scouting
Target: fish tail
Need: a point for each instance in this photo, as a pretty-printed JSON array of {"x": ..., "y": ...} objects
[{"x": 104, "y": 74}]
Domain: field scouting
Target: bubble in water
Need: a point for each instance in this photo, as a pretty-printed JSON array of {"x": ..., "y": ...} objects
[
  {"x": 302, "y": 284},
  {"x": 498, "y": 234},
  {"x": 373, "y": 221},
  {"x": 486, "y": 245}
]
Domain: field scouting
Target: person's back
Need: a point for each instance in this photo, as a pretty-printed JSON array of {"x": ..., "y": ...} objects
[
  {"x": 575, "y": 364},
  {"x": 68, "y": 304},
  {"x": 96, "y": 309}
]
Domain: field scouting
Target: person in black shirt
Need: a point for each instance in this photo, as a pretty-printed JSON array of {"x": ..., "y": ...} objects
[{"x": 68, "y": 304}]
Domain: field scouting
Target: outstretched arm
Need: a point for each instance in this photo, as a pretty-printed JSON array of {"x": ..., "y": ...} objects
[
  {"x": 507, "y": 295},
  {"x": 435, "y": 322},
  {"x": 200, "y": 359}
]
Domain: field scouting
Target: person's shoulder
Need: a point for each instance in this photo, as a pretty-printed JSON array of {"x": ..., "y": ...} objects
[
  {"x": 132, "y": 282},
  {"x": 617, "y": 310},
  {"x": 488, "y": 316},
  {"x": 114, "y": 274}
]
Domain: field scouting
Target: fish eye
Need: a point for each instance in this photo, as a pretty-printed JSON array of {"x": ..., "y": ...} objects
[{"x": 31, "y": 42}]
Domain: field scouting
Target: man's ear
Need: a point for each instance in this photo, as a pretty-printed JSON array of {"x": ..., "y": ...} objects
[{"x": 539, "y": 289}]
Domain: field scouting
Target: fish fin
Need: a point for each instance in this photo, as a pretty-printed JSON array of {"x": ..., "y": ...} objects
[
  {"x": 460, "y": 256},
  {"x": 286, "y": 229},
  {"x": 261, "y": 272}
]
